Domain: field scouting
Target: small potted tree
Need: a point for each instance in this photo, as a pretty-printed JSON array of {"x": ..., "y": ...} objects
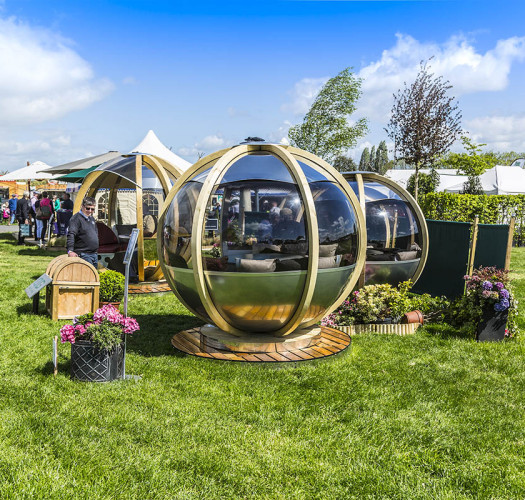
[
  {"x": 111, "y": 288},
  {"x": 97, "y": 353}
]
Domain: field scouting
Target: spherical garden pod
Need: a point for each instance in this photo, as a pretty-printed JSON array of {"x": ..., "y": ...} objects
[
  {"x": 129, "y": 191},
  {"x": 397, "y": 235},
  {"x": 261, "y": 238}
]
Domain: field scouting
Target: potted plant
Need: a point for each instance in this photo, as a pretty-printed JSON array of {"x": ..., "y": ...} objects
[
  {"x": 97, "y": 354},
  {"x": 488, "y": 301},
  {"x": 111, "y": 288}
]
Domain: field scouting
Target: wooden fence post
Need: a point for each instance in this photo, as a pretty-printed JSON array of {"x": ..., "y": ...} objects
[{"x": 509, "y": 242}]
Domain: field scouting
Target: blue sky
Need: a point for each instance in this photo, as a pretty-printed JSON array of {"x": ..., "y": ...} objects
[{"x": 80, "y": 78}]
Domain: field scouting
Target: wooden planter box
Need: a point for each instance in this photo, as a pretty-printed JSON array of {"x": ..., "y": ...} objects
[
  {"x": 395, "y": 329},
  {"x": 74, "y": 289}
]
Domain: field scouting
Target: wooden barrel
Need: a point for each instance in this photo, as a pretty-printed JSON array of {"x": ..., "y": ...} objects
[{"x": 74, "y": 289}]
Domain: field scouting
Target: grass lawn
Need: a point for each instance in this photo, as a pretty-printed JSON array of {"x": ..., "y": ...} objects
[{"x": 433, "y": 415}]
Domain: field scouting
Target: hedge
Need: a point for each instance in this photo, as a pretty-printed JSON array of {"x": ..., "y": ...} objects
[{"x": 493, "y": 209}]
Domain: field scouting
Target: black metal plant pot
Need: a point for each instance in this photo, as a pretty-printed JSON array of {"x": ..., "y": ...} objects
[
  {"x": 91, "y": 364},
  {"x": 492, "y": 326}
]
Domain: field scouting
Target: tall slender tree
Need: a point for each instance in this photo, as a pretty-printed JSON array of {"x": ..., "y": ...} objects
[
  {"x": 371, "y": 163},
  {"x": 365, "y": 159},
  {"x": 325, "y": 130},
  {"x": 381, "y": 160},
  {"x": 425, "y": 121}
]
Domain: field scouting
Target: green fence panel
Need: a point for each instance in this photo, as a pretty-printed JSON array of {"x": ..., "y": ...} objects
[
  {"x": 448, "y": 249},
  {"x": 491, "y": 248}
]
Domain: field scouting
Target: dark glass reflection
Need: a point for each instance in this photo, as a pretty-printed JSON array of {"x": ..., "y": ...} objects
[
  {"x": 337, "y": 226},
  {"x": 178, "y": 226},
  {"x": 257, "y": 166}
]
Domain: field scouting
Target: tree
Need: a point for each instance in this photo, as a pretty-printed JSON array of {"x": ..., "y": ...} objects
[
  {"x": 325, "y": 131},
  {"x": 424, "y": 121},
  {"x": 472, "y": 163},
  {"x": 427, "y": 183},
  {"x": 381, "y": 160},
  {"x": 365, "y": 159},
  {"x": 344, "y": 164},
  {"x": 371, "y": 163}
]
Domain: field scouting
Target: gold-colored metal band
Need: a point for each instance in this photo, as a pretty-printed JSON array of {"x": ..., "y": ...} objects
[
  {"x": 88, "y": 182},
  {"x": 361, "y": 226},
  {"x": 313, "y": 236},
  {"x": 140, "y": 217}
]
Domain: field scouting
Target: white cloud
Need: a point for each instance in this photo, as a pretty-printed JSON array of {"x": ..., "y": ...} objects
[
  {"x": 208, "y": 144},
  {"x": 280, "y": 136},
  {"x": 303, "y": 94},
  {"x": 41, "y": 76},
  {"x": 456, "y": 60},
  {"x": 502, "y": 133},
  {"x": 129, "y": 80}
]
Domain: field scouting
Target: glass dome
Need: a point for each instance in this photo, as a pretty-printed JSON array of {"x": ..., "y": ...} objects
[
  {"x": 129, "y": 192},
  {"x": 261, "y": 239},
  {"x": 397, "y": 238}
]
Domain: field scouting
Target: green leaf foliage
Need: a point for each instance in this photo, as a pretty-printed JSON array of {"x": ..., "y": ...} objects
[
  {"x": 325, "y": 130},
  {"x": 111, "y": 286}
]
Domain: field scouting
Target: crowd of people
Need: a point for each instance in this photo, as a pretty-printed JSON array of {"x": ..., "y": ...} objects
[{"x": 34, "y": 211}]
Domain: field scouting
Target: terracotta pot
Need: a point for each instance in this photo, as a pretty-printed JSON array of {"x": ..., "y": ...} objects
[{"x": 413, "y": 317}]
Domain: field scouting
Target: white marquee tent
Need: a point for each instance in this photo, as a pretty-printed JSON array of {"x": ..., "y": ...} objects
[
  {"x": 151, "y": 145},
  {"x": 32, "y": 171},
  {"x": 497, "y": 180}
]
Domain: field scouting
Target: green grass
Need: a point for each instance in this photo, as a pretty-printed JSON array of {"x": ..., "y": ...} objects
[{"x": 433, "y": 415}]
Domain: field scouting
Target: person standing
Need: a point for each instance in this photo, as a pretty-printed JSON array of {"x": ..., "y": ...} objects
[
  {"x": 82, "y": 236},
  {"x": 56, "y": 203},
  {"x": 67, "y": 204},
  {"x": 12, "y": 207},
  {"x": 23, "y": 212}
]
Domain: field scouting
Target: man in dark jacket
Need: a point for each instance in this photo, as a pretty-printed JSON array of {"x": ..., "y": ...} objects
[
  {"x": 23, "y": 213},
  {"x": 82, "y": 236}
]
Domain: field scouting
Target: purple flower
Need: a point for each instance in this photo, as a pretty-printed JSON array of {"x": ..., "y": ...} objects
[
  {"x": 504, "y": 294},
  {"x": 487, "y": 285},
  {"x": 499, "y": 285},
  {"x": 502, "y": 305}
]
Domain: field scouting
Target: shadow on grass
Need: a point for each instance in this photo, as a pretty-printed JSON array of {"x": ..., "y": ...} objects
[
  {"x": 47, "y": 369},
  {"x": 156, "y": 331},
  {"x": 446, "y": 331}
]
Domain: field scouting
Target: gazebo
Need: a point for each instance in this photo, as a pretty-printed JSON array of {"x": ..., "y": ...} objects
[
  {"x": 261, "y": 239},
  {"x": 397, "y": 236},
  {"x": 129, "y": 191}
]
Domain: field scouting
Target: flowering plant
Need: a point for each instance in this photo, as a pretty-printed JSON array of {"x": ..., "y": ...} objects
[
  {"x": 372, "y": 303},
  {"x": 105, "y": 328},
  {"x": 487, "y": 288}
]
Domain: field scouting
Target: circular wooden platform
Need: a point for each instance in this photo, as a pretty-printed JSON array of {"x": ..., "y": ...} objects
[
  {"x": 209, "y": 342},
  {"x": 149, "y": 287}
]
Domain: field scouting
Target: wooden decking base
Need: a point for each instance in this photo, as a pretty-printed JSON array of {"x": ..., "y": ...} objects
[{"x": 209, "y": 342}]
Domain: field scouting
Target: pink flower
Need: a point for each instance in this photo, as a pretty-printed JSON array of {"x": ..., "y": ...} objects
[
  {"x": 80, "y": 329},
  {"x": 130, "y": 325},
  {"x": 108, "y": 312}
]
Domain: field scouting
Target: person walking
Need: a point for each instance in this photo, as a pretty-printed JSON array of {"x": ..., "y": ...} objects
[
  {"x": 12, "y": 207},
  {"x": 43, "y": 210},
  {"x": 23, "y": 213},
  {"x": 66, "y": 204},
  {"x": 82, "y": 236}
]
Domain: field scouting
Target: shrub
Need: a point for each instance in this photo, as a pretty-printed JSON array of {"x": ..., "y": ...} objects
[{"x": 111, "y": 286}]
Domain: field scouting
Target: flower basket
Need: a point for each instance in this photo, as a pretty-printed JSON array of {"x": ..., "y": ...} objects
[
  {"x": 492, "y": 326},
  {"x": 89, "y": 363}
]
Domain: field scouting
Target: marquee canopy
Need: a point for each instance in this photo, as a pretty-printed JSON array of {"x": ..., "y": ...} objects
[
  {"x": 500, "y": 179},
  {"x": 30, "y": 172}
]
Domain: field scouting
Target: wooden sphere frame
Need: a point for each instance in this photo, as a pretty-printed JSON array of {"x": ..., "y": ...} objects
[
  {"x": 223, "y": 160},
  {"x": 160, "y": 167},
  {"x": 361, "y": 178}
]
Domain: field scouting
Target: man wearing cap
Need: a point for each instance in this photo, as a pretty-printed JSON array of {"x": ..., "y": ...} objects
[
  {"x": 12, "y": 207},
  {"x": 82, "y": 236}
]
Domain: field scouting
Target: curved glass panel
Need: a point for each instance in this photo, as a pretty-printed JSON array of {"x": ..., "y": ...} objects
[
  {"x": 394, "y": 237},
  {"x": 255, "y": 225},
  {"x": 337, "y": 226},
  {"x": 255, "y": 166},
  {"x": 123, "y": 166},
  {"x": 176, "y": 244},
  {"x": 376, "y": 191}
]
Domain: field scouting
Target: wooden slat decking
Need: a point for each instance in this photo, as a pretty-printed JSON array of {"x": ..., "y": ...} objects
[
  {"x": 154, "y": 287},
  {"x": 330, "y": 342}
]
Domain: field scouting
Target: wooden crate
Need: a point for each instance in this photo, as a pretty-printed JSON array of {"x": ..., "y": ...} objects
[{"x": 74, "y": 289}]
